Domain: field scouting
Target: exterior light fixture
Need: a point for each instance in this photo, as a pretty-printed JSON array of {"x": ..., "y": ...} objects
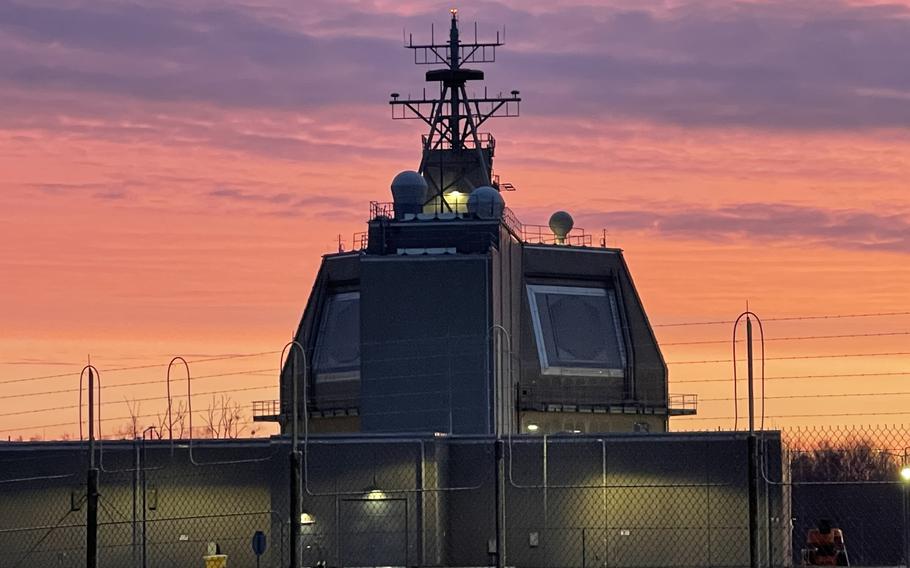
[
  {"x": 372, "y": 492},
  {"x": 307, "y": 518},
  {"x": 905, "y": 473},
  {"x": 533, "y": 427}
]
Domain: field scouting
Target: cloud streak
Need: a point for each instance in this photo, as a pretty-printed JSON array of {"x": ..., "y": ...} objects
[
  {"x": 768, "y": 223},
  {"x": 804, "y": 65}
]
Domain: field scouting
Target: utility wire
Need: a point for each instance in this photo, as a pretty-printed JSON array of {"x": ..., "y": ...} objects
[
  {"x": 109, "y": 402},
  {"x": 112, "y": 419},
  {"x": 796, "y": 396},
  {"x": 793, "y": 357},
  {"x": 138, "y": 367},
  {"x": 795, "y": 377},
  {"x": 789, "y": 318},
  {"x": 826, "y": 415},
  {"x": 257, "y": 372},
  {"x": 795, "y": 338}
]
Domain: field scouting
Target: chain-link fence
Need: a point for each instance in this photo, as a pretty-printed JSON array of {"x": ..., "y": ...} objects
[
  {"x": 619, "y": 500},
  {"x": 849, "y": 478}
]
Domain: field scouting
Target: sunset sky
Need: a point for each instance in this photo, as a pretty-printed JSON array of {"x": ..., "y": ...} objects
[{"x": 173, "y": 170}]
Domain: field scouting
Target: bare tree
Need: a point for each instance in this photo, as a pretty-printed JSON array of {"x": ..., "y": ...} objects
[
  {"x": 179, "y": 414},
  {"x": 131, "y": 429},
  {"x": 223, "y": 418},
  {"x": 856, "y": 461}
]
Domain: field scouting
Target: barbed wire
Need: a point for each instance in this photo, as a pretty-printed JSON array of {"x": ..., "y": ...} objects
[
  {"x": 257, "y": 372},
  {"x": 795, "y": 338},
  {"x": 795, "y": 357},
  {"x": 140, "y": 367},
  {"x": 112, "y": 419},
  {"x": 796, "y": 377},
  {"x": 789, "y": 318},
  {"x": 146, "y": 399}
]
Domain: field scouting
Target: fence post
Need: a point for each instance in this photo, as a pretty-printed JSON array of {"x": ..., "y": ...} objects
[
  {"x": 498, "y": 498},
  {"x": 91, "y": 513},
  {"x": 295, "y": 509},
  {"x": 753, "y": 456}
]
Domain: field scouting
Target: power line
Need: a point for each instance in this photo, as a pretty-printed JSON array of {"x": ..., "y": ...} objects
[
  {"x": 788, "y": 318},
  {"x": 826, "y": 415},
  {"x": 796, "y": 396},
  {"x": 138, "y": 383},
  {"x": 138, "y": 367},
  {"x": 794, "y": 357},
  {"x": 109, "y": 402},
  {"x": 795, "y": 338},
  {"x": 794, "y": 377},
  {"x": 106, "y": 419}
]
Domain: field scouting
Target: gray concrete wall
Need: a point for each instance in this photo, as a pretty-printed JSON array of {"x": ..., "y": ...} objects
[{"x": 616, "y": 500}]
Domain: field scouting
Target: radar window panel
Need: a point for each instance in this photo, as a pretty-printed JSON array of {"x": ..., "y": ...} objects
[
  {"x": 337, "y": 356},
  {"x": 577, "y": 331}
]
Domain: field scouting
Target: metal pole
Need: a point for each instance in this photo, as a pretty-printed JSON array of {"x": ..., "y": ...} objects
[
  {"x": 905, "y": 485},
  {"x": 135, "y": 523},
  {"x": 144, "y": 482},
  {"x": 498, "y": 498},
  {"x": 295, "y": 458},
  {"x": 91, "y": 521},
  {"x": 749, "y": 360},
  {"x": 295, "y": 509},
  {"x": 753, "y": 457}
]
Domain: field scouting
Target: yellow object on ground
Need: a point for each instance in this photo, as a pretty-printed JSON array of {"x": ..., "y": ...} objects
[{"x": 215, "y": 561}]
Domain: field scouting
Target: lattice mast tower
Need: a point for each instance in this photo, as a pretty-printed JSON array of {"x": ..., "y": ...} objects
[{"x": 457, "y": 157}]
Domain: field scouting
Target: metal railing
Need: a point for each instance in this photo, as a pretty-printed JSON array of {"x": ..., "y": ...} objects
[
  {"x": 682, "y": 404},
  {"x": 530, "y": 234},
  {"x": 266, "y": 408},
  {"x": 382, "y": 209},
  {"x": 359, "y": 241},
  {"x": 484, "y": 139}
]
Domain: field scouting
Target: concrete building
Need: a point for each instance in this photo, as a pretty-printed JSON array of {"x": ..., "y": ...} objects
[
  {"x": 452, "y": 316},
  {"x": 472, "y": 391}
]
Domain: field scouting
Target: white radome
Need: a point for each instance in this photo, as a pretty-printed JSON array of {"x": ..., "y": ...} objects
[
  {"x": 561, "y": 223},
  {"x": 486, "y": 203},
  {"x": 409, "y": 188}
]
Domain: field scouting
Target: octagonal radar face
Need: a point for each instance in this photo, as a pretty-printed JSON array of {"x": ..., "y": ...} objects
[
  {"x": 561, "y": 223},
  {"x": 486, "y": 203}
]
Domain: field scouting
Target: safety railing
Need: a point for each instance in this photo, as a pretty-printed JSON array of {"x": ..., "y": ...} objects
[
  {"x": 266, "y": 409},
  {"x": 484, "y": 140},
  {"x": 530, "y": 234},
  {"x": 682, "y": 404}
]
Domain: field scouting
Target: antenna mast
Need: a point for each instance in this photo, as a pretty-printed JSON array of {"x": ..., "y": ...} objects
[{"x": 457, "y": 156}]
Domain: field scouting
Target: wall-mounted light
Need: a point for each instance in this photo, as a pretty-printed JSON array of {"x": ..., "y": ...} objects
[
  {"x": 372, "y": 491},
  {"x": 533, "y": 427},
  {"x": 905, "y": 473},
  {"x": 307, "y": 518}
]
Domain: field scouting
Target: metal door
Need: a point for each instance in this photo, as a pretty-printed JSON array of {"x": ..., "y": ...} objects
[{"x": 374, "y": 532}]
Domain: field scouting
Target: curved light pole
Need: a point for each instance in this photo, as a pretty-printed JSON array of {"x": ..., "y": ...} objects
[
  {"x": 499, "y": 489},
  {"x": 170, "y": 418},
  {"x": 295, "y": 458},
  {"x": 91, "y": 510}
]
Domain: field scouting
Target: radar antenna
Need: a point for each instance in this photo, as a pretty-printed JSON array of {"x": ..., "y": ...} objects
[{"x": 457, "y": 156}]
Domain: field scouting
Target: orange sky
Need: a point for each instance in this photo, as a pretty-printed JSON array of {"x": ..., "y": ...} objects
[{"x": 137, "y": 225}]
